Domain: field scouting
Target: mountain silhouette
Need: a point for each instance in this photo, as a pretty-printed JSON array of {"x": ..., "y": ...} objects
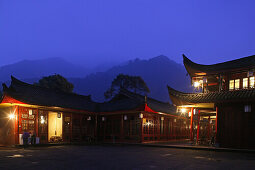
[
  {"x": 27, "y": 69},
  {"x": 157, "y": 72}
]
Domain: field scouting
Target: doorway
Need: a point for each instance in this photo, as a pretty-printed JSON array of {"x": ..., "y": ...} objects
[{"x": 55, "y": 127}]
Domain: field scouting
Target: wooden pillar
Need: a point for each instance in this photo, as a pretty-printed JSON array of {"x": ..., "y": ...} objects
[
  {"x": 220, "y": 82},
  {"x": 141, "y": 135},
  {"x": 15, "y": 124},
  {"x": 96, "y": 128},
  {"x": 198, "y": 128},
  {"x": 130, "y": 128},
  {"x": 71, "y": 125},
  {"x": 104, "y": 127},
  {"x": 209, "y": 127},
  {"x": 37, "y": 122},
  {"x": 18, "y": 124},
  {"x": 122, "y": 127},
  {"x": 216, "y": 125},
  {"x": 80, "y": 135},
  {"x": 191, "y": 125},
  {"x": 158, "y": 130}
]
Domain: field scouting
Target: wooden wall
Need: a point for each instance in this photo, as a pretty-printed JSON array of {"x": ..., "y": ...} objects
[
  {"x": 152, "y": 127},
  {"x": 7, "y": 127},
  {"x": 236, "y": 128}
]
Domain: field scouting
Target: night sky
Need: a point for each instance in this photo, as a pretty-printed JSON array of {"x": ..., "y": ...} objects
[{"x": 91, "y": 32}]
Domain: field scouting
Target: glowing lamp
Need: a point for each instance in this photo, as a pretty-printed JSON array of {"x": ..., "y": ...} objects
[
  {"x": 196, "y": 84},
  {"x": 42, "y": 120},
  {"x": 148, "y": 123},
  {"x": 11, "y": 116},
  {"x": 103, "y": 119},
  {"x": 183, "y": 110},
  {"x": 140, "y": 115},
  {"x": 89, "y": 118}
]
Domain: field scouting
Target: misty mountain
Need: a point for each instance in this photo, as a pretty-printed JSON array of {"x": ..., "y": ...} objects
[
  {"x": 30, "y": 69},
  {"x": 157, "y": 72}
]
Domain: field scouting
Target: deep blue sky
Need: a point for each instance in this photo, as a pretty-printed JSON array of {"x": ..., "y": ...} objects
[{"x": 91, "y": 32}]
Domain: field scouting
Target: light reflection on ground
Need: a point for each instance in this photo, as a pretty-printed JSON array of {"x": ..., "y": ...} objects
[
  {"x": 15, "y": 156},
  {"x": 121, "y": 157}
]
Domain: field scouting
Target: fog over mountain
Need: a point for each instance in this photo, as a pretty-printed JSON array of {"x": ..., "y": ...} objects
[
  {"x": 157, "y": 72},
  {"x": 27, "y": 69}
]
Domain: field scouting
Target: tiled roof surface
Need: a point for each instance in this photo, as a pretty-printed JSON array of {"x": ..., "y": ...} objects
[
  {"x": 127, "y": 100},
  {"x": 211, "y": 97},
  {"x": 32, "y": 94}
]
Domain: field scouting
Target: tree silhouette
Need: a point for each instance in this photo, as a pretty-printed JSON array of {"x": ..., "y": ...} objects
[
  {"x": 56, "y": 82},
  {"x": 131, "y": 83}
]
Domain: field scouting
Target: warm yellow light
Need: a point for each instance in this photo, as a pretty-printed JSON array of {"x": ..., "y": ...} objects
[
  {"x": 11, "y": 116},
  {"x": 196, "y": 84},
  {"x": 183, "y": 110},
  {"x": 148, "y": 123},
  {"x": 42, "y": 120},
  {"x": 140, "y": 115}
]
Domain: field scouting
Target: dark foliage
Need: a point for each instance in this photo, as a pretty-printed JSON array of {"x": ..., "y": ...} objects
[
  {"x": 56, "y": 82},
  {"x": 131, "y": 83}
]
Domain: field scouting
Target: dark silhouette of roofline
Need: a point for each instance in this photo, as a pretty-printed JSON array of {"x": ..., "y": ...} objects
[
  {"x": 41, "y": 96},
  {"x": 245, "y": 63}
]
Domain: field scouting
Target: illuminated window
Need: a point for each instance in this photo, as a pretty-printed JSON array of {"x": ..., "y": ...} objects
[
  {"x": 245, "y": 83},
  {"x": 231, "y": 84},
  {"x": 237, "y": 84},
  {"x": 251, "y": 82}
]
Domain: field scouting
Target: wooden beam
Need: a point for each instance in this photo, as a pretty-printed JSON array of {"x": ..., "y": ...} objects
[{"x": 199, "y": 105}]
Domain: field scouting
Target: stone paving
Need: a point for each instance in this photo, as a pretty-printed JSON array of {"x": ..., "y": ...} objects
[{"x": 121, "y": 157}]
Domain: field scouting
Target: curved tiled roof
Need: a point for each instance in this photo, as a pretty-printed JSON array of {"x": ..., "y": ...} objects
[
  {"x": 33, "y": 94},
  {"x": 180, "y": 98},
  {"x": 133, "y": 101},
  {"x": 242, "y": 63},
  {"x": 123, "y": 101}
]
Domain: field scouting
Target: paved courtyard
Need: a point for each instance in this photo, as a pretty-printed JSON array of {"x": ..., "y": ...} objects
[{"x": 121, "y": 157}]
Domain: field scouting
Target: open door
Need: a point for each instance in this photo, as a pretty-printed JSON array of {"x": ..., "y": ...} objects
[{"x": 55, "y": 127}]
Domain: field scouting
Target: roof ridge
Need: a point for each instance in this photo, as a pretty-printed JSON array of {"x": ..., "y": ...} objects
[
  {"x": 125, "y": 90},
  {"x": 235, "y": 60},
  {"x": 19, "y": 82},
  {"x": 245, "y": 63},
  {"x": 177, "y": 91}
]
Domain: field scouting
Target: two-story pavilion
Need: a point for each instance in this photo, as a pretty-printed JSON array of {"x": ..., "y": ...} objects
[{"x": 225, "y": 101}]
